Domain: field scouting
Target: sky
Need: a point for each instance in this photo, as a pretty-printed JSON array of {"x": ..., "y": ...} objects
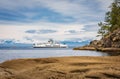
[{"x": 28, "y": 21}]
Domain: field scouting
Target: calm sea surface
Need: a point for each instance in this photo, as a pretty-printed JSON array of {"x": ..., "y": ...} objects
[{"x": 8, "y": 54}]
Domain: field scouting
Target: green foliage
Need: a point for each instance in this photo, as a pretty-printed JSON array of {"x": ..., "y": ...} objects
[
  {"x": 112, "y": 20},
  {"x": 104, "y": 29},
  {"x": 115, "y": 14}
]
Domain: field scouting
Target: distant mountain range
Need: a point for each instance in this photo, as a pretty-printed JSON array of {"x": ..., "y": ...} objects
[
  {"x": 13, "y": 44},
  {"x": 75, "y": 43}
]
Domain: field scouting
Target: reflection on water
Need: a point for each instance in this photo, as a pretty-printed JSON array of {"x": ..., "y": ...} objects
[{"x": 8, "y": 54}]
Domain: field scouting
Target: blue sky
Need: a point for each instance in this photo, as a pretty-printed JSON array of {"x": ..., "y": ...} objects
[{"x": 30, "y": 21}]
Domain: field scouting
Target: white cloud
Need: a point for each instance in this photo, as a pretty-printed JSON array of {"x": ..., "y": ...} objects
[
  {"x": 64, "y": 7},
  {"x": 17, "y": 32},
  {"x": 105, "y": 4},
  {"x": 74, "y": 9}
]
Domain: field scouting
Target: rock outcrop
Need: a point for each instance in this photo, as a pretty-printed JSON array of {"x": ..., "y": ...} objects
[{"x": 110, "y": 42}]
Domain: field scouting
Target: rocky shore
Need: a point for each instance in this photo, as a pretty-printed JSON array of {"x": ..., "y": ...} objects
[
  {"x": 62, "y": 68},
  {"x": 109, "y": 43}
]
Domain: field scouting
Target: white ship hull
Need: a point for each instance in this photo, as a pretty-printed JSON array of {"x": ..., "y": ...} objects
[
  {"x": 49, "y": 47},
  {"x": 49, "y": 44}
]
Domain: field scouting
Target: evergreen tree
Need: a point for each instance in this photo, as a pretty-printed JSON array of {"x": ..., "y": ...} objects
[
  {"x": 112, "y": 20},
  {"x": 115, "y": 17}
]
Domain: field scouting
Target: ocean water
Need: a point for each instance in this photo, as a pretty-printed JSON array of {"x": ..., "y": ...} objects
[{"x": 16, "y": 53}]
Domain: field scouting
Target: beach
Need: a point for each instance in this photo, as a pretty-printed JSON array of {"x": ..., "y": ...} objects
[{"x": 74, "y": 67}]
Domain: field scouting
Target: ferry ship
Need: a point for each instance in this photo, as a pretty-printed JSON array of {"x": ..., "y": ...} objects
[{"x": 50, "y": 44}]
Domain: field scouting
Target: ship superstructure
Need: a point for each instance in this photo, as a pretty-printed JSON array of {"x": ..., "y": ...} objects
[{"x": 50, "y": 44}]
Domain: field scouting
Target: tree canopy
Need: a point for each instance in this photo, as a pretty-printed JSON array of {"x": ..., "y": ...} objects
[{"x": 112, "y": 19}]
